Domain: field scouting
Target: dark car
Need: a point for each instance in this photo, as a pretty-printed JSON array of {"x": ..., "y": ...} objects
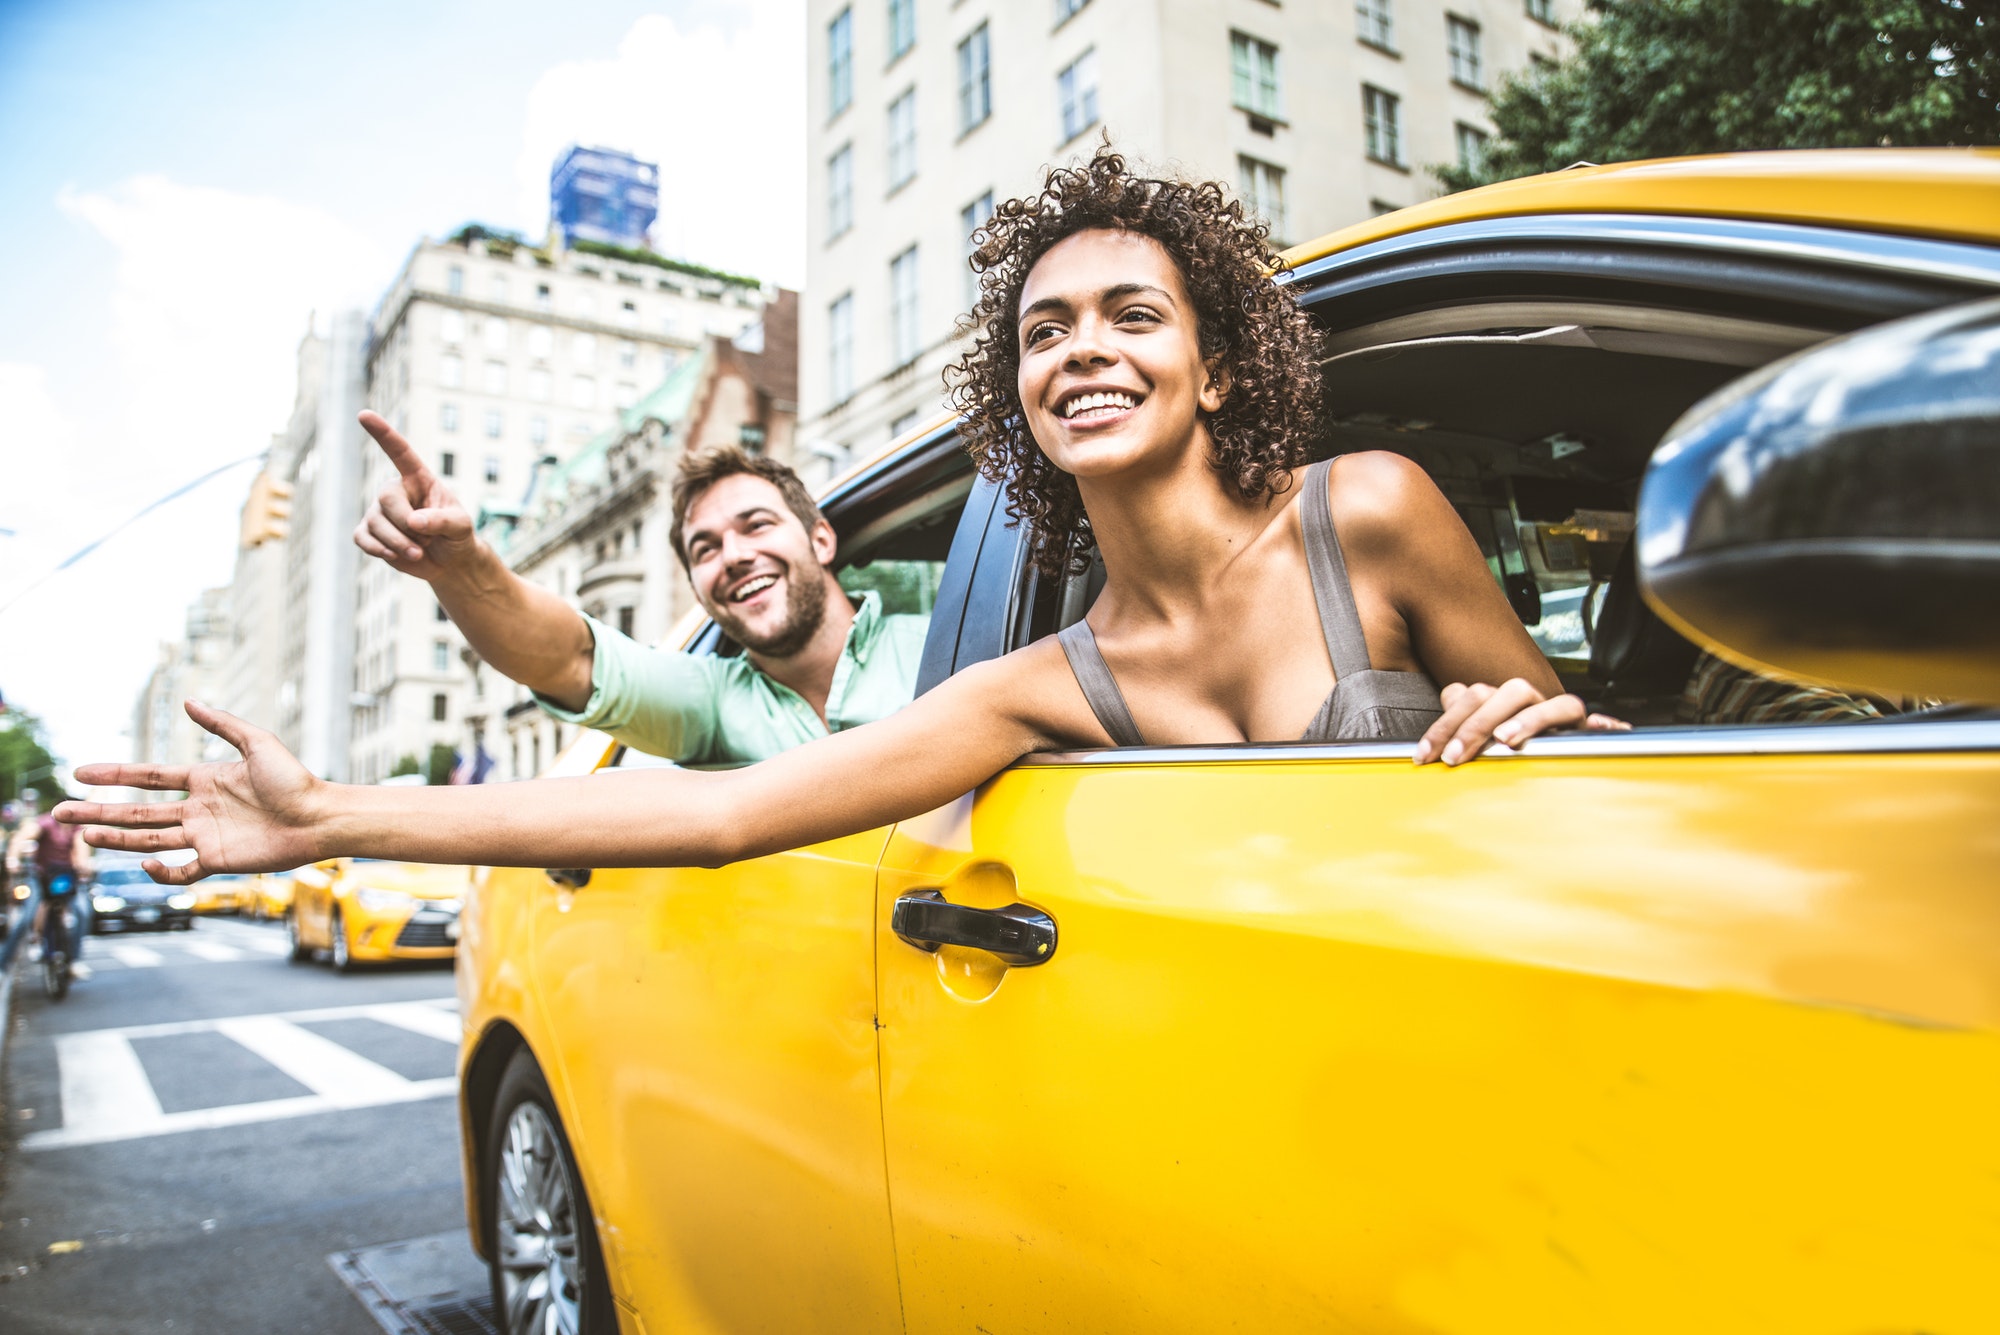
[{"x": 125, "y": 898}]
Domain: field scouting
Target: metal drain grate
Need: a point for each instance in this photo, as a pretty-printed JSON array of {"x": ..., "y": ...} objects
[{"x": 425, "y": 1286}]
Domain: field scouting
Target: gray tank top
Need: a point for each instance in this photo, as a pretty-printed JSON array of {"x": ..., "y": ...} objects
[{"x": 1365, "y": 704}]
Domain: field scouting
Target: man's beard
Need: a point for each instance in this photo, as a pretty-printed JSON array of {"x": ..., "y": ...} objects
[{"x": 805, "y": 612}]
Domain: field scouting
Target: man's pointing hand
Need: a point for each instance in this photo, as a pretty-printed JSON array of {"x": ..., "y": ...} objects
[{"x": 417, "y": 525}]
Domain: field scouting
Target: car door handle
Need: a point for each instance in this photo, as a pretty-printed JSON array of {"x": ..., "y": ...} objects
[
  {"x": 569, "y": 878},
  {"x": 1019, "y": 934}
]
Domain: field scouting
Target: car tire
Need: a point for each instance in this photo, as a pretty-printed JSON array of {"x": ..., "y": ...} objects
[
  {"x": 543, "y": 1235},
  {"x": 301, "y": 952},
  {"x": 340, "y": 951}
]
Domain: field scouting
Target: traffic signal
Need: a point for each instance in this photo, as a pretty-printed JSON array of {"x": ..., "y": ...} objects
[{"x": 267, "y": 515}]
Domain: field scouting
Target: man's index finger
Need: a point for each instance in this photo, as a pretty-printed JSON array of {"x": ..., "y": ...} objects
[{"x": 401, "y": 453}]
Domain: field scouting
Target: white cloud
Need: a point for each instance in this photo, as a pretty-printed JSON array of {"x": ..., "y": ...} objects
[
  {"x": 212, "y": 292},
  {"x": 720, "y": 105}
]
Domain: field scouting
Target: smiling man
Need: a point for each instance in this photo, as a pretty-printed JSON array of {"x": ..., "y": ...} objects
[{"x": 760, "y": 557}]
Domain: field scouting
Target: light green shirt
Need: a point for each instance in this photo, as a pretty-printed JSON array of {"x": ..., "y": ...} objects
[{"x": 705, "y": 709}]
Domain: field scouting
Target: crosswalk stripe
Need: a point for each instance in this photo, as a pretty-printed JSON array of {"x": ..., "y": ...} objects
[
  {"x": 344, "y": 1078},
  {"x": 209, "y": 951},
  {"x": 235, "y": 1114},
  {"x": 136, "y": 957},
  {"x": 168, "y": 1027},
  {"x": 420, "y": 1019},
  {"x": 105, "y": 1092}
]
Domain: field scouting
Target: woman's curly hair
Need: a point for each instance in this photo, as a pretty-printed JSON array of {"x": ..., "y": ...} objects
[{"x": 1252, "y": 333}]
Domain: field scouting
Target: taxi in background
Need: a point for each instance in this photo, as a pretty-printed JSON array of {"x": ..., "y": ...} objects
[
  {"x": 1695, "y": 1027},
  {"x": 270, "y": 896},
  {"x": 227, "y": 893},
  {"x": 359, "y": 910}
]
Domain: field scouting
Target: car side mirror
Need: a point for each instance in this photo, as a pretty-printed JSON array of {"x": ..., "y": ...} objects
[{"x": 1835, "y": 517}]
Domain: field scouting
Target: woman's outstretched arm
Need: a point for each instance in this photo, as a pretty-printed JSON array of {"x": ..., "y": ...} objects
[{"x": 265, "y": 812}]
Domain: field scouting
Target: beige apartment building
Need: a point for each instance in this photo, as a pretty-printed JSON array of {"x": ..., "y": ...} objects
[
  {"x": 190, "y": 668},
  {"x": 496, "y": 358},
  {"x": 922, "y": 113}
]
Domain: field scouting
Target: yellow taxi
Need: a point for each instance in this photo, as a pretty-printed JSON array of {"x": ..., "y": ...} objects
[
  {"x": 359, "y": 911},
  {"x": 223, "y": 894},
  {"x": 270, "y": 897},
  {"x": 1695, "y": 1027}
]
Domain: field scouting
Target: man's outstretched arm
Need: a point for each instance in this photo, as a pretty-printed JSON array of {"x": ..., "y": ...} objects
[{"x": 526, "y": 633}]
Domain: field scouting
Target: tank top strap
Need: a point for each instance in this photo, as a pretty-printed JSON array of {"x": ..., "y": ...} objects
[
  {"x": 1100, "y": 688},
  {"x": 1339, "y": 621}
]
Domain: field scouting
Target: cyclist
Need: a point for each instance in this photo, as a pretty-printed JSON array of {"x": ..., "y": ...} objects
[{"x": 61, "y": 862}]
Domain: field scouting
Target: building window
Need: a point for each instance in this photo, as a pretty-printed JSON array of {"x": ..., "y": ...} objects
[
  {"x": 454, "y": 280},
  {"x": 440, "y": 656},
  {"x": 538, "y": 430},
  {"x": 840, "y": 348},
  {"x": 538, "y": 385},
  {"x": 451, "y": 328},
  {"x": 907, "y": 422},
  {"x": 1076, "y": 95},
  {"x": 440, "y": 702},
  {"x": 495, "y": 423},
  {"x": 447, "y": 465},
  {"x": 496, "y": 335},
  {"x": 1543, "y": 11},
  {"x": 1375, "y": 23},
  {"x": 583, "y": 350},
  {"x": 451, "y": 371},
  {"x": 586, "y": 305},
  {"x": 902, "y": 28},
  {"x": 496, "y": 288},
  {"x": 442, "y": 615},
  {"x": 496, "y": 377},
  {"x": 670, "y": 361},
  {"x": 1263, "y": 189},
  {"x": 628, "y": 354},
  {"x": 447, "y": 417},
  {"x": 543, "y": 300},
  {"x": 1254, "y": 64},
  {"x": 1066, "y": 9},
  {"x": 1471, "y": 147},
  {"x": 970, "y": 219},
  {"x": 840, "y": 62},
  {"x": 903, "y": 328},
  {"x": 903, "y": 138},
  {"x": 626, "y": 394},
  {"x": 541, "y": 341},
  {"x": 493, "y": 466},
  {"x": 840, "y": 192},
  {"x": 583, "y": 391},
  {"x": 628, "y": 314},
  {"x": 1461, "y": 40},
  {"x": 1382, "y": 125},
  {"x": 975, "y": 80},
  {"x": 625, "y": 620}
]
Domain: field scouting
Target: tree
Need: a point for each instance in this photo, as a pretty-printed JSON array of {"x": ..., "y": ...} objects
[
  {"x": 1661, "y": 78},
  {"x": 405, "y": 764},
  {"x": 25, "y": 761},
  {"x": 438, "y": 766}
]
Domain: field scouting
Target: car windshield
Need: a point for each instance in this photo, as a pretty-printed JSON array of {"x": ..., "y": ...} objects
[{"x": 123, "y": 876}]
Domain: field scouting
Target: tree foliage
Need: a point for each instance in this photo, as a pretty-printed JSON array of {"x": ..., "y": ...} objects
[
  {"x": 25, "y": 761},
  {"x": 1661, "y": 78}
]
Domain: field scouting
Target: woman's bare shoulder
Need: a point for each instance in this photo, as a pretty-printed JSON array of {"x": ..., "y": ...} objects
[{"x": 1378, "y": 497}]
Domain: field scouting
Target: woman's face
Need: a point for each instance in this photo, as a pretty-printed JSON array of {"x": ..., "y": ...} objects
[{"x": 1111, "y": 372}]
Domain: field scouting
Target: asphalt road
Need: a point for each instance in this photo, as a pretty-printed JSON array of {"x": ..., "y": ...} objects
[{"x": 201, "y": 1123}]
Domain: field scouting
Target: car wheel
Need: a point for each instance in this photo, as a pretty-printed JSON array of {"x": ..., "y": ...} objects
[
  {"x": 546, "y": 1268},
  {"x": 301, "y": 952},
  {"x": 339, "y": 950}
]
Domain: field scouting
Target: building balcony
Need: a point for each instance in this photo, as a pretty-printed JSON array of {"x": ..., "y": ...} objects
[{"x": 600, "y": 576}]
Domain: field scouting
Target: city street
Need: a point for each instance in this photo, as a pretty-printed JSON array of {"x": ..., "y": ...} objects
[{"x": 202, "y": 1124}]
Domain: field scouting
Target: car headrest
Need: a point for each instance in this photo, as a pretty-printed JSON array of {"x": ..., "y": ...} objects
[{"x": 1633, "y": 651}]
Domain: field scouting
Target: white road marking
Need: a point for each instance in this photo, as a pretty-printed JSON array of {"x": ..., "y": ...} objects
[
  {"x": 106, "y": 1096},
  {"x": 345, "y": 1078},
  {"x": 209, "y": 951},
  {"x": 105, "y": 1093},
  {"x": 136, "y": 957},
  {"x": 79, "y": 970},
  {"x": 421, "y": 1019}
]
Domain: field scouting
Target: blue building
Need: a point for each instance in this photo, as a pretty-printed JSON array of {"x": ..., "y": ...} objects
[{"x": 600, "y": 194}]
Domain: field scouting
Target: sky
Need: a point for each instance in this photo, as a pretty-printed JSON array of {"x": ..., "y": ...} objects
[{"x": 186, "y": 185}]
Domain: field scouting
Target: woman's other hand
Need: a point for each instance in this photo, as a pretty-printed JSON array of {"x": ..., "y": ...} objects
[
  {"x": 255, "y": 814},
  {"x": 1477, "y": 715}
]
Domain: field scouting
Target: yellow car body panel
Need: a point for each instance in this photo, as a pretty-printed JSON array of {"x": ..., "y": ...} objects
[
  {"x": 272, "y": 897},
  {"x": 1349, "y": 1045},
  {"x": 372, "y": 929},
  {"x": 1942, "y": 192}
]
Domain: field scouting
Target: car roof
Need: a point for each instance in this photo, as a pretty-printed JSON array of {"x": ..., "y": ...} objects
[{"x": 1943, "y": 192}]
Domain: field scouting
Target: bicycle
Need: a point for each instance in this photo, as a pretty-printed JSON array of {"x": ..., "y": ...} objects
[{"x": 58, "y": 951}]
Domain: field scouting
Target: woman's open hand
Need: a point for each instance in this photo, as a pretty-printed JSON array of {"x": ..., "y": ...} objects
[
  {"x": 254, "y": 814},
  {"x": 1510, "y": 713}
]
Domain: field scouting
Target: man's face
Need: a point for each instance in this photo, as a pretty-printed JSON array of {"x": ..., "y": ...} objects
[{"x": 755, "y": 567}]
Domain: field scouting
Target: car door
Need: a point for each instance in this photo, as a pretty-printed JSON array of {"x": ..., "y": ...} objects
[
  {"x": 312, "y": 902},
  {"x": 1680, "y": 1029},
  {"x": 713, "y": 1031}
]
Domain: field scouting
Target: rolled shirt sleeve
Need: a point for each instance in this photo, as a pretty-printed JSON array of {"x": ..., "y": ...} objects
[{"x": 661, "y": 702}]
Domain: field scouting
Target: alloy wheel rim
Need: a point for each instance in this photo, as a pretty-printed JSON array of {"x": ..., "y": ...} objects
[{"x": 541, "y": 1287}]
